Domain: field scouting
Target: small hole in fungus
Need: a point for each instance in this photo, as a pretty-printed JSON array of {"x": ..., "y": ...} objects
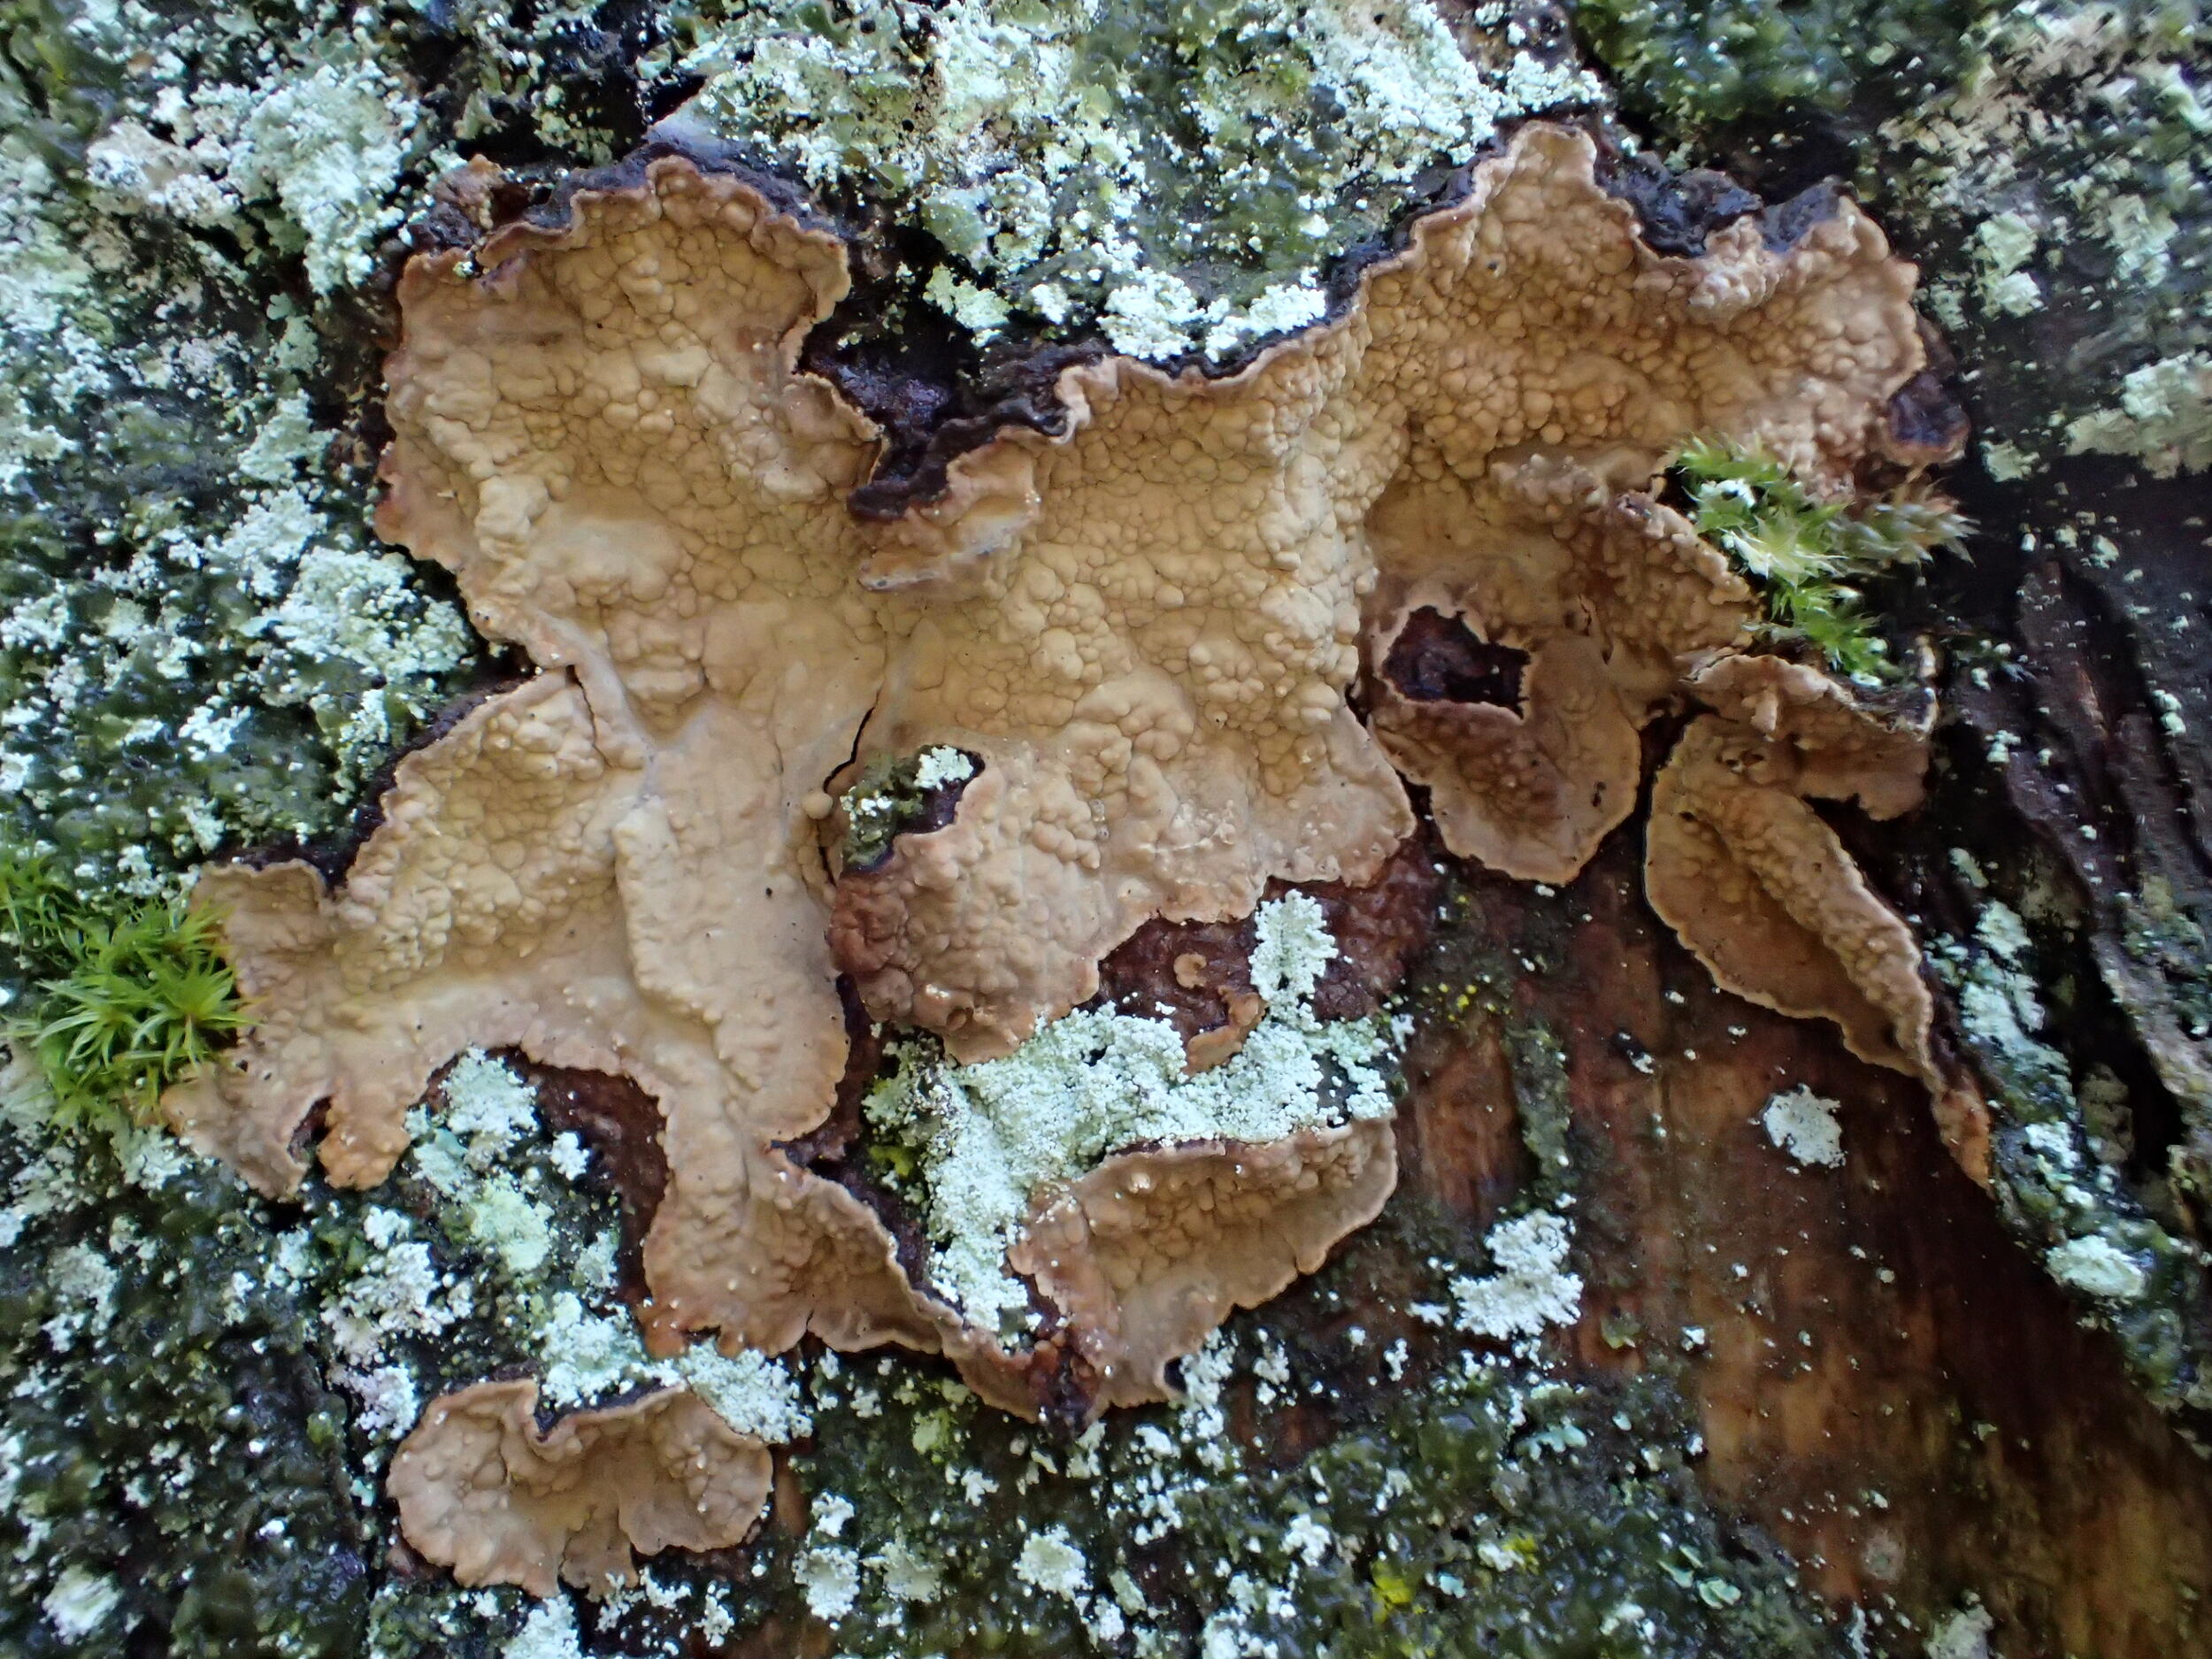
[{"x": 1437, "y": 658}]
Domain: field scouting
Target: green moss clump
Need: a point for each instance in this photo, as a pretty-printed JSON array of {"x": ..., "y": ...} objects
[
  {"x": 1805, "y": 555},
  {"x": 1711, "y": 62},
  {"x": 120, "y": 1005}
]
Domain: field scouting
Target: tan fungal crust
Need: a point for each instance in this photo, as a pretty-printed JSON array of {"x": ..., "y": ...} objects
[
  {"x": 1762, "y": 891},
  {"x": 983, "y": 928},
  {"x": 1152, "y": 1249},
  {"x": 1820, "y": 740},
  {"x": 482, "y": 1491},
  {"x": 1530, "y": 790},
  {"x": 1142, "y": 632},
  {"x": 1195, "y": 569},
  {"x": 1610, "y": 595},
  {"x": 1217, "y": 1045},
  {"x": 1767, "y": 897},
  {"x": 485, "y": 898}
]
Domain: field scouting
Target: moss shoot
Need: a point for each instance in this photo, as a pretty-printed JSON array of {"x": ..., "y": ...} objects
[
  {"x": 114, "y": 1007},
  {"x": 1808, "y": 557}
]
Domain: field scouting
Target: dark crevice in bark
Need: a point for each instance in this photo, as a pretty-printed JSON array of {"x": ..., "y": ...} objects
[
  {"x": 1438, "y": 659},
  {"x": 837, "y": 1148},
  {"x": 621, "y": 1124}
]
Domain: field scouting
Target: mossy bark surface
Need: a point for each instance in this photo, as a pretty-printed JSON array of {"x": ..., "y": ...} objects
[{"x": 1806, "y": 1409}]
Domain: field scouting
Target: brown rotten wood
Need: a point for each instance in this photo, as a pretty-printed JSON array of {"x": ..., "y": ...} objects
[{"x": 1887, "y": 1383}]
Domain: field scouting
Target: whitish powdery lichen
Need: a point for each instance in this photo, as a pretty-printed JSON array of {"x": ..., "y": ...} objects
[
  {"x": 1803, "y": 1125},
  {"x": 2164, "y": 419},
  {"x": 80, "y": 1603},
  {"x": 990, "y": 1137},
  {"x": 1052, "y": 1563},
  {"x": 549, "y": 1632},
  {"x": 2071, "y": 151},
  {"x": 1084, "y": 159},
  {"x": 2098, "y": 1267},
  {"x": 198, "y": 643},
  {"x": 1962, "y": 1635},
  {"x": 1531, "y": 1288}
]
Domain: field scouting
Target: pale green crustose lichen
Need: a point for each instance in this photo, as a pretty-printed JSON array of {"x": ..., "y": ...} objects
[
  {"x": 2073, "y": 142},
  {"x": 1177, "y": 177},
  {"x": 199, "y": 642},
  {"x": 973, "y": 1145},
  {"x": 1803, "y": 1125},
  {"x": 2164, "y": 417},
  {"x": 2056, "y": 1177},
  {"x": 1530, "y": 1287}
]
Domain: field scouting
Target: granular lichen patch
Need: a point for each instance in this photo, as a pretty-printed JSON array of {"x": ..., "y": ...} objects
[{"x": 1178, "y": 179}]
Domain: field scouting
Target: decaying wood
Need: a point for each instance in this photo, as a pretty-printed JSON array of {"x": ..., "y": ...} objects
[{"x": 1887, "y": 1384}]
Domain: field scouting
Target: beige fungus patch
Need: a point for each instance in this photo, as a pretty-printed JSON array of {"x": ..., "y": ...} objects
[
  {"x": 1144, "y": 629},
  {"x": 482, "y": 1491}
]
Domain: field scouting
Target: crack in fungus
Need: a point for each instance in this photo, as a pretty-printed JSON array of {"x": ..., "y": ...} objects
[{"x": 1436, "y": 659}]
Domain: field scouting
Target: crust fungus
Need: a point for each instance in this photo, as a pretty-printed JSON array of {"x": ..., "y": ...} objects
[
  {"x": 482, "y": 1491},
  {"x": 1551, "y": 618},
  {"x": 1140, "y": 630},
  {"x": 1763, "y": 891},
  {"x": 1151, "y": 1250}
]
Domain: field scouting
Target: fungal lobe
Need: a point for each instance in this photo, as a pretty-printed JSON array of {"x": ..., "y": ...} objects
[
  {"x": 1147, "y": 629},
  {"x": 481, "y": 1489}
]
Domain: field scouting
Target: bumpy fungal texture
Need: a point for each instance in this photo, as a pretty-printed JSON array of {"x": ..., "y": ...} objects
[
  {"x": 1608, "y": 592},
  {"x": 1762, "y": 890},
  {"x": 1153, "y": 1249},
  {"x": 1820, "y": 738},
  {"x": 482, "y": 1491},
  {"x": 1766, "y": 896},
  {"x": 1142, "y": 630}
]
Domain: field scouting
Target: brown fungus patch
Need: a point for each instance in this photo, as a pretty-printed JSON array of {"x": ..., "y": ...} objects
[
  {"x": 1151, "y": 1250},
  {"x": 1143, "y": 625},
  {"x": 1603, "y": 596},
  {"x": 482, "y": 1490},
  {"x": 1765, "y": 894},
  {"x": 1763, "y": 890}
]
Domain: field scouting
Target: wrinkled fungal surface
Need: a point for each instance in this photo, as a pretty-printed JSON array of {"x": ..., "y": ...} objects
[
  {"x": 1140, "y": 631},
  {"x": 482, "y": 1491},
  {"x": 1615, "y": 1371}
]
